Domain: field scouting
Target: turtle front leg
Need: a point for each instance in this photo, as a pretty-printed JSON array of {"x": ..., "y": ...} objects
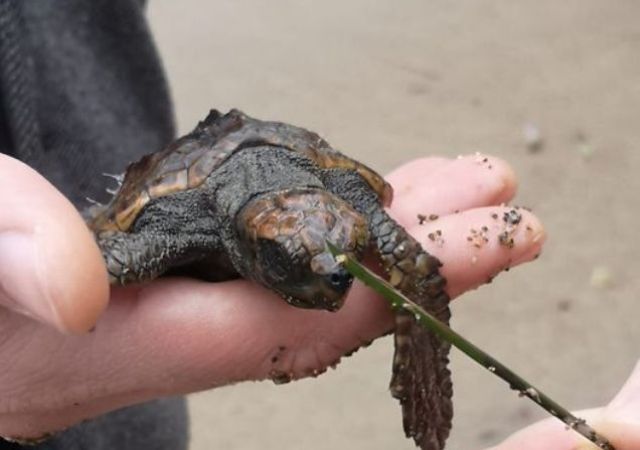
[
  {"x": 141, "y": 256},
  {"x": 133, "y": 257},
  {"x": 421, "y": 380}
]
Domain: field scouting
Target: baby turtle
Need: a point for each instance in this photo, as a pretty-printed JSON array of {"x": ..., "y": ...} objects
[{"x": 240, "y": 197}]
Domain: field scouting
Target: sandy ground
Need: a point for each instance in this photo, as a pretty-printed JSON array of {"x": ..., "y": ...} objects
[{"x": 391, "y": 81}]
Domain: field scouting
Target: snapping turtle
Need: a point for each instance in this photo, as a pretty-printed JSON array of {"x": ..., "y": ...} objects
[{"x": 243, "y": 197}]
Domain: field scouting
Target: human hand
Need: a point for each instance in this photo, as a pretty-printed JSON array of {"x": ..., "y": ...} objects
[
  {"x": 619, "y": 422},
  {"x": 174, "y": 336}
]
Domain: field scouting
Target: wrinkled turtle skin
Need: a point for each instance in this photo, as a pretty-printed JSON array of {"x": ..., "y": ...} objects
[{"x": 240, "y": 197}]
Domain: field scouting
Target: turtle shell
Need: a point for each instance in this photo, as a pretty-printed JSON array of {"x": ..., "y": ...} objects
[{"x": 189, "y": 160}]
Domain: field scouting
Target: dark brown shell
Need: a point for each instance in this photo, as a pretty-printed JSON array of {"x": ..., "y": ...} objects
[{"x": 188, "y": 161}]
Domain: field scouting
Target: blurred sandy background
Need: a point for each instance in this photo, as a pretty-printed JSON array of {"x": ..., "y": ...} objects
[{"x": 391, "y": 81}]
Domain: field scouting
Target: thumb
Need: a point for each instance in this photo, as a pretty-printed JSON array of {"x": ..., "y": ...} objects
[
  {"x": 619, "y": 422},
  {"x": 621, "y": 418},
  {"x": 50, "y": 267}
]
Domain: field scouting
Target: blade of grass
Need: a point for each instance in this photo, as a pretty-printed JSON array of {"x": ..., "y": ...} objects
[{"x": 515, "y": 381}]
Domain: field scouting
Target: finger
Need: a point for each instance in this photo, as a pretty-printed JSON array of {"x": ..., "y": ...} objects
[
  {"x": 550, "y": 434},
  {"x": 618, "y": 422},
  {"x": 171, "y": 337},
  {"x": 623, "y": 435},
  {"x": 50, "y": 266},
  {"x": 621, "y": 418},
  {"x": 476, "y": 245},
  {"x": 433, "y": 186},
  {"x": 625, "y": 406}
]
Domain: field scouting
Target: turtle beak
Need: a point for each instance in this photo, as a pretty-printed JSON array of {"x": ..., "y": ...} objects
[{"x": 326, "y": 292}]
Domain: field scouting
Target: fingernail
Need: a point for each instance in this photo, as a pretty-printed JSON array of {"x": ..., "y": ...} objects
[
  {"x": 530, "y": 235},
  {"x": 21, "y": 287}
]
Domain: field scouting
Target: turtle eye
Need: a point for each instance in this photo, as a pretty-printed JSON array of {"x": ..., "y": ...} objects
[{"x": 274, "y": 259}]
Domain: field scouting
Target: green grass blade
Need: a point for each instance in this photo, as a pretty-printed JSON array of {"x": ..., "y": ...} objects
[{"x": 515, "y": 381}]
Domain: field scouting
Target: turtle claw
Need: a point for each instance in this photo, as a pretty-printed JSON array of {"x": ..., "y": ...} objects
[
  {"x": 118, "y": 177},
  {"x": 93, "y": 202}
]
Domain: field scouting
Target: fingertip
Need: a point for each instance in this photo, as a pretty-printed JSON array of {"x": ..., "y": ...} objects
[
  {"x": 62, "y": 281},
  {"x": 497, "y": 174},
  {"x": 625, "y": 406},
  {"x": 438, "y": 186},
  {"x": 476, "y": 245},
  {"x": 623, "y": 435},
  {"x": 505, "y": 174},
  {"x": 79, "y": 285},
  {"x": 551, "y": 434},
  {"x": 621, "y": 417},
  {"x": 415, "y": 169}
]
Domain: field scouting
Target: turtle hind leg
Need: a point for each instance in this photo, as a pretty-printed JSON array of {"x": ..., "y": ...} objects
[{"x": 142, "y": 256}]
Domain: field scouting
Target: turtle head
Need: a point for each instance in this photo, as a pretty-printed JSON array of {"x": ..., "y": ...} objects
[{"x": 284, "y": 245}]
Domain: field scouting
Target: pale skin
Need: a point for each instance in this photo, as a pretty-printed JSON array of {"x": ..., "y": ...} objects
[
  {"x": 619, "y": 421},
  {"x": 175, "y": 336}
]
